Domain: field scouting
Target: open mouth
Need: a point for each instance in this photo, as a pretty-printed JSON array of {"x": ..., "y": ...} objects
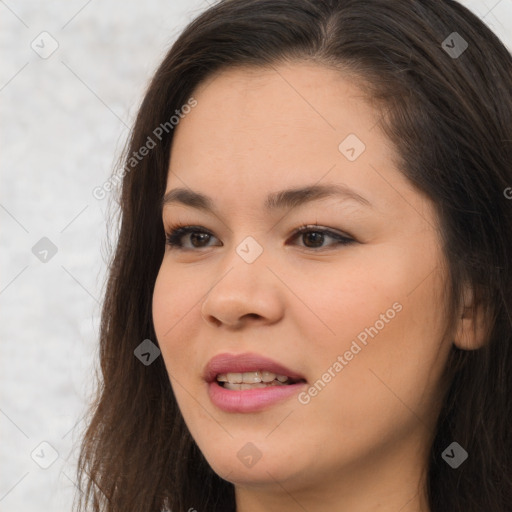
[{"x": 254, "y": 380}]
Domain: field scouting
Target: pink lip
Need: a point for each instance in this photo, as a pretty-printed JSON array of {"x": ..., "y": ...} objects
[{"x": 248, "y": 400}]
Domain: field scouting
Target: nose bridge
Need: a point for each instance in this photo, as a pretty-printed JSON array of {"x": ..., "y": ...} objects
[
  {"x": 244, "y": 286},
  {"x": 244, "y": 269}
]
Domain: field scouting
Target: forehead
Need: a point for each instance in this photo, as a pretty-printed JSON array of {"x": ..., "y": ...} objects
[
  {"x": 260, "y": 129},
  {"x": 292, "y": 101}
]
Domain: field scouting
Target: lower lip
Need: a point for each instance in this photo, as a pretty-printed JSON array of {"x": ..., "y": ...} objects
[{"x": 250, "y": 400}]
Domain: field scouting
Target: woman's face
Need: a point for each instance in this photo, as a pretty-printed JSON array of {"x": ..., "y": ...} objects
[{"x": 361, "y": 324}]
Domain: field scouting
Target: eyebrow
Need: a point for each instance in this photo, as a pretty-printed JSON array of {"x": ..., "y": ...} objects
[{"x": 288, "y": 198}]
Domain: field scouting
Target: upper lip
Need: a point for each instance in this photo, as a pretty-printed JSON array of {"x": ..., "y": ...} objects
[{"x": 246, "y": 362}]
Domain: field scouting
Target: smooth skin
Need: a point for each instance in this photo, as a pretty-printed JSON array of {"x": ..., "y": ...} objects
[{"x": 362, "y": 442}]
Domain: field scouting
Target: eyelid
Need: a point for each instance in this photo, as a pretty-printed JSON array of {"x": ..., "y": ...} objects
[{"x": 323, "y": 229}]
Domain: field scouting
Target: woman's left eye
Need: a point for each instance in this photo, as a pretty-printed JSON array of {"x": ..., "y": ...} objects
[
  {"x": 311, "y": 234},
  {"x": 320, "y": 236}
]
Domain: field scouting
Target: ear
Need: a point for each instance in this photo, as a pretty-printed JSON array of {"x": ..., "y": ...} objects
[{"x": 472, "y": 326}]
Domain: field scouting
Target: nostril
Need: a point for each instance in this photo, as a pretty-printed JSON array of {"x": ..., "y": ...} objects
[{"x": 252, "y": 316}]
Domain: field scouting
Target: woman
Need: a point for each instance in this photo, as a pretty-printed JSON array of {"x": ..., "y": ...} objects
[{"x": 309, "y": 307}]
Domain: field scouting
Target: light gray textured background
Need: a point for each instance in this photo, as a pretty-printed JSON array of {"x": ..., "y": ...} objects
[{"x": 64, "y": 120}]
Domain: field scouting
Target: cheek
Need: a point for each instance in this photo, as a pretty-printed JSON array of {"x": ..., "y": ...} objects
[
  {"x": 366, "y": 291},
  {"x": 175, "y": 299},
  {"x": 175, "y": 295},
  {"x": 388, "y": 325}
]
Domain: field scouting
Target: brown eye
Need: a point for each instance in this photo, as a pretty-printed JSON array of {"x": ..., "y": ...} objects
[
  {"x": 199, "y": 237},
  {"x": 314, "y": 237}
]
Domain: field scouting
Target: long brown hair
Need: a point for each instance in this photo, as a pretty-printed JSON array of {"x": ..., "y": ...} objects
[{"x": 449, "y": 114}]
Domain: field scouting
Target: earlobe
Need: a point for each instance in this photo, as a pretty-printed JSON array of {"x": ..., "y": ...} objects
[{"x": 472, "y": 326}]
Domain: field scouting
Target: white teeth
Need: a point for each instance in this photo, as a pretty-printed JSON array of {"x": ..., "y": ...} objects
[
  {"x": 236, "y": 378},
  {"x": 241, "y": 387},
  {"x": 251, "y": 377},
  {"x": 261, "y": 376},
  {"x": 267, "y": 376}
]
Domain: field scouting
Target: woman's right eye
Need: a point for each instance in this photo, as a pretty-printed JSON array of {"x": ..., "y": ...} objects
[{"x": 177, "y": 233}]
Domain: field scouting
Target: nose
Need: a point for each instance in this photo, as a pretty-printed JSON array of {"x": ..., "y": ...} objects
[{"x": 247, "y": 293}]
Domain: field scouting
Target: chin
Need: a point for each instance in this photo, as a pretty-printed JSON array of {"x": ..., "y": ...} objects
[
  {"x": 249, "y": 466},
  {"x": 259, "y": 475}
]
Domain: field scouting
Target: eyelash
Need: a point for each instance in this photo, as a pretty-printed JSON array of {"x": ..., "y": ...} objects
[{"x": 178, "y": 231}]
